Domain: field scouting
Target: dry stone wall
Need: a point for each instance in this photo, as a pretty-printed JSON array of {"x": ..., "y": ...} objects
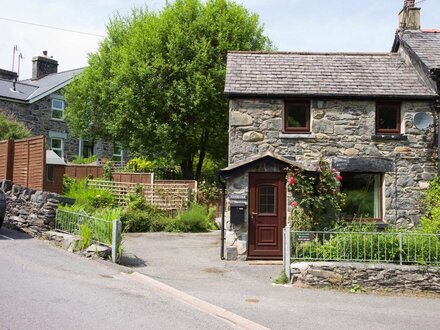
[
  {"x": 29, "y": 210},
  {"x": 364, "y": 276}
]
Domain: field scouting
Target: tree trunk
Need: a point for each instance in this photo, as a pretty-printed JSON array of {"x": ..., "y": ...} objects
[
  {"x": 203, "y": 145},
  {"x": 187, "y": 169}
]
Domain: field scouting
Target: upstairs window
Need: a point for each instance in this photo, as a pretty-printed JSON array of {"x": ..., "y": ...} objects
[
  {"x": 297, "y": 117},
  {"x": 58, "y": 109},
  {"x": 388, "y": 118}
]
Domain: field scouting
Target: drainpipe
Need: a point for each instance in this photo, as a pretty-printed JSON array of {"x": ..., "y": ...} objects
[
  {"x": 435, "y": 75},
  {"x": 222, "y": 243}
]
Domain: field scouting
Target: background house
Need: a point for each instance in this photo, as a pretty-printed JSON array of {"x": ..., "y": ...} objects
[
  {"x": 371, "y": 116},
  {"x": 39, "y": 103}
]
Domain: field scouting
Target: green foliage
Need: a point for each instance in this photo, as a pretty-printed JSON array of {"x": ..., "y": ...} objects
[
  {"x": 10, "y": 129},
  {"x": 362, "y": 242},
  {"x": 194, "y": 220},
  {"x": 86, "y": 236},
  {"x": 356, "y": 288},
  {"x": 208, "y": 193},
  {"x": 81, "y": 160},
  {"x": 300, "y": 220},
  {"x": 67, "y": 183},
  {"x": 318, "y": 197},
  {"x": 102, "y": 199},
  {"x": 430, "y": 222},
  {"x": 107, "y": 174},
  {"x": 282, "y": 278},
  {"x": 156, "y": 82},
  {"x": 88, "y": 199},
  {"x": 146, "y": 219}
]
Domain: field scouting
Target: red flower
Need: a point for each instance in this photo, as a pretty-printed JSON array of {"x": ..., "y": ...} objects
[
  {"x": 294, "y": 204},
  {"x": 339, "y": 178},
  {"x": 334, "y": 170},
  {"x": 291, "y": 180}
]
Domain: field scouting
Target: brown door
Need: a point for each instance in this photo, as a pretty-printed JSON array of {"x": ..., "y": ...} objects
[{"x": 267, "y": 215}]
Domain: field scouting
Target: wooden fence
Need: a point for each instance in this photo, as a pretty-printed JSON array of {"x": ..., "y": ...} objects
[
  {"x": 6, "y": 159},
  {"x": 24, "y": 162},
  {"x": 165, "y": 196},
  {"x": 96, "y": 171}
]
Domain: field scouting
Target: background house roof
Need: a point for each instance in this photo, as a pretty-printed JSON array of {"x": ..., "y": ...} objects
[
  {"x": 323, "y": 74},
  {"x": 426, "y": 44},
  {"x": 30, "y": 91}
]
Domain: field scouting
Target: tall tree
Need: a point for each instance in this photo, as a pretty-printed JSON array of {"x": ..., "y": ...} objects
[{"x": 156, "y": 83}]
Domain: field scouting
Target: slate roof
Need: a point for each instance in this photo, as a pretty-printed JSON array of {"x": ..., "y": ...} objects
[
  {"x": 322, "y": 74},
  {"x": 426, "y": 44},
  {"x": 30, "y": 91}
]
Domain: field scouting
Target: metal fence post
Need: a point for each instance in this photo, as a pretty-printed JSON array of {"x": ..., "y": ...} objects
[
  {"x": 286, "y": 250},
  {"x": 400, "y": 248},
  {"x": 116, "y": 232}
]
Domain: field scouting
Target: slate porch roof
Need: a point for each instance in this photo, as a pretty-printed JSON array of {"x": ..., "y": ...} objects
[
  {"x": 29, "y": 91},
  {"x": 426, "y": 44},
  {"x": 322, "y": 74}
]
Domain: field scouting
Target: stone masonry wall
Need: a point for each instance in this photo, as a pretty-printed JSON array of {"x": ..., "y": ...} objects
[
  {"x": 38, "y": 118},
  {"x": 339, "y": 128},
  {"x": 373, "y": 277},
  {"x": 29, "y": 210}
]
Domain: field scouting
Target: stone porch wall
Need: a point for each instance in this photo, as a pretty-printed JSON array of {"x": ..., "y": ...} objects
[{"x": 339, "y": 128}]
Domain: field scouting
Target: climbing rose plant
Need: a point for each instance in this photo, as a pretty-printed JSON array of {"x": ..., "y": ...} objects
[{"x": 316, "y": 198}]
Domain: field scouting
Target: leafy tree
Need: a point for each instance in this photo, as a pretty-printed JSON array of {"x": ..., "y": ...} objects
[
  {"x": 11, "y": 129},
  {"x": 156, "y": 83}
]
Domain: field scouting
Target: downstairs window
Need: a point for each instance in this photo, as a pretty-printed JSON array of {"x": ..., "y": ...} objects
[{"x": 364, "y": 197}]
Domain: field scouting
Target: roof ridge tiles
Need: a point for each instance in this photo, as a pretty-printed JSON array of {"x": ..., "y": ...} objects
[{"x": 310, "y": 53}]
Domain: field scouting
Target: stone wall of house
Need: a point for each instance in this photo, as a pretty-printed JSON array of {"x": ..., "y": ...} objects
[
  {"x": 340, "y": 129},
  {"x": 29, "y": 210},
  {"x": 365, "y": 276},
  {"x": 38, "y": 118}
]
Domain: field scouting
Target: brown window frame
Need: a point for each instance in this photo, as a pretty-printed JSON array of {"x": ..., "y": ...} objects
[
  {"x": 398, "y": 107},
  {"x": 305, "y": 129}
]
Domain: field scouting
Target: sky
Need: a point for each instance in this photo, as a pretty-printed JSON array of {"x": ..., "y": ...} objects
[{"x": 293, "y": 25}]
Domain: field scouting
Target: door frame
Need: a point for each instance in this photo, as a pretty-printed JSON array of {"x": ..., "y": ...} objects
[{"x": 279, "y": 177}]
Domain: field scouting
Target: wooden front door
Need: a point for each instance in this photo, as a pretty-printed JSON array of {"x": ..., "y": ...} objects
[{"x": 267, "y": 215}]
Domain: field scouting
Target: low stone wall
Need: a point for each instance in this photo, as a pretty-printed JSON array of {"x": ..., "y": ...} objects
[
  {"x": 371, "y": 277},
  {"x": 29, "y": 210}
]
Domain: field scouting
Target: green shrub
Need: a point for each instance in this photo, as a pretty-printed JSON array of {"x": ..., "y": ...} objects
[
  {"x": 10, "y": 129},
  {"x": 86, "y": 236},
  {"x": 430, "y": 222},
  {"x": 147, "y": 219},
  {"x": 101, "y": 199},
  {"x": 81, "y": 160},
  {"x": 89, "y": 199},
  {"x": 194, "y": 220}
]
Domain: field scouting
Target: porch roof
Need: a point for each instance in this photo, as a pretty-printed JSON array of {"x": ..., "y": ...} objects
[{"x": 251, "y": 161}]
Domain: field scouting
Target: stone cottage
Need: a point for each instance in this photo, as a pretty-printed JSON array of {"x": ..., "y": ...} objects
[
  {"x": 39, "y": 104},
  {"x": 370, "y": 115}
]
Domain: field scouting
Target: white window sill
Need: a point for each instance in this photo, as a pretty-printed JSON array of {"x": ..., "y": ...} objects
[
  {"x": 297, "y": 136},
  {"x": 56, "y": 119}
]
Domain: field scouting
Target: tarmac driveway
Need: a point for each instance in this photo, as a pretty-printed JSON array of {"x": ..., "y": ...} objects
[{"x": 191, "y": 263}]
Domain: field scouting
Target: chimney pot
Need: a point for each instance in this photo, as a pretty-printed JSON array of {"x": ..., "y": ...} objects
[
  {"x": 409, "y": 3},
  {"x": 45, "y": 52}
]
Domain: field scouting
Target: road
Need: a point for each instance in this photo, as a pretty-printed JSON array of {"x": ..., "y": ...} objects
[
  {"x": 43, "y": 287},
  {"x": 191, "y": 263}
]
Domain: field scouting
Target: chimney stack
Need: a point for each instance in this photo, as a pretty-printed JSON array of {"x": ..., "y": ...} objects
[
  {"x": 43, "y": 65},
  {"x": 8, "y": 75},
  {"x": 409, "y": 16}
]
